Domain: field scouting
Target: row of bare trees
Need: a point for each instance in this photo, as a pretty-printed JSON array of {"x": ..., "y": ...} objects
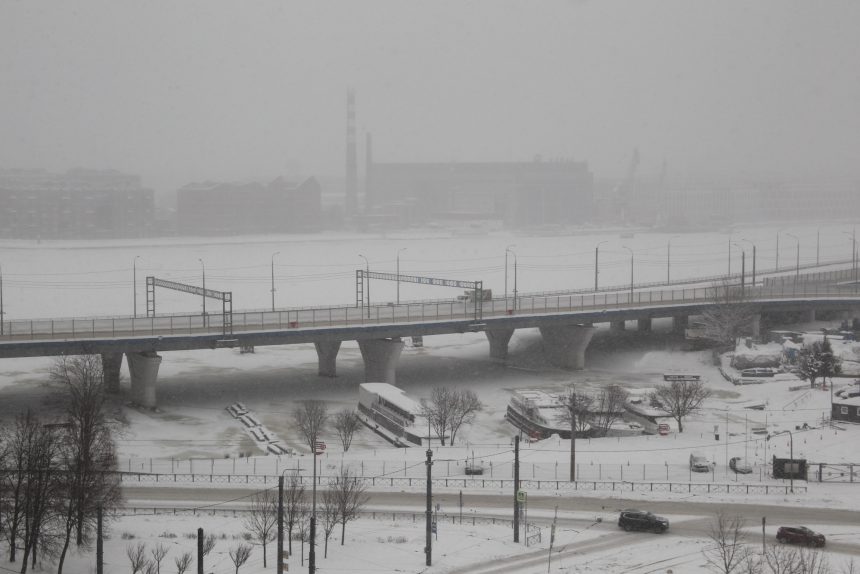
[
  {"x": 732, "y": 551},
  {"x": 56, "y": 473}
]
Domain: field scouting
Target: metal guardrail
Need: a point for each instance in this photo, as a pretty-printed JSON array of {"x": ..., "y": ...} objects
[{"x": 823, "y": 285}]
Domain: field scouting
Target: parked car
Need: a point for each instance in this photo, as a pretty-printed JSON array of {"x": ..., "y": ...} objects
[
  {"x": 740, "y": 465},
  {"x": 642, "y": 520},
  {"x": 799, "y": 535},
  {"x": 699, "y": 463}
]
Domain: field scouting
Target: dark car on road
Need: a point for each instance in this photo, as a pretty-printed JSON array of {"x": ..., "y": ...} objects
[
  {"x": 799, "y": 535},
  {"x": 642, "y": 520}
]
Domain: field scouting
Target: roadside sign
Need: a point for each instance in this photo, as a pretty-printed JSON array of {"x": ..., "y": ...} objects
[
  {"x": 433, "y": 527},
  {"x": 521, "y": 496},
  {"x": 320, "y": 447}
]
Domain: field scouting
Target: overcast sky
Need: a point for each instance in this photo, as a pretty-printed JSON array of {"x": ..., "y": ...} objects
[{"x": 188, "y": 90}]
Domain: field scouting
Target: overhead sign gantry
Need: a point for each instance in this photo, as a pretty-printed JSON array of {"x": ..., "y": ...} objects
[
  {"x": 363, "y": 277},
  {"x": 226, "y": 298}
]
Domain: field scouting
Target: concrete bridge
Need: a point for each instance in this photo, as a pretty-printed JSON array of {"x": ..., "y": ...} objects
[{"x": 565, "y": 320}]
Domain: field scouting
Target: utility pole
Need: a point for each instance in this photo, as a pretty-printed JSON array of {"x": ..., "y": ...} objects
[
  {"x": 100, "y": 551},
  {"x": 273, "y": 279},
  {"x": 516, "y": 488},
  {"x": 281, "y": 524},
  {"x": 133, "y": 283},
  {"x": 199, "y": 551},
  {"x": 312, "y": 555},
  {"x": 2, "y": 313},
  {"x": 203, "y": 266},
  {"x": 428, "y": 548}
]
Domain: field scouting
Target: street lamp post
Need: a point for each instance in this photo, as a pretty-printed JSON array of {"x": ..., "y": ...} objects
[
  {"x": 668, "y": 258},
  {"x": 853, "y": 254},
  {"x": 312, "y": 557},
  {"x": 817, "y": 245},
  {"x": 507, "y": 250},
  {"x": 398, "y": 273},
  {"x": 515, "y": 278},
  {"x": 743, "y": 272},
  {"x": 752, "y": 283},
  {"x": 134, "y": 282},
  {"x": 777, "y": 248},
  {"x": 631, "y": 271},
  {"x": 203, "y": 266},
  {"x": 273, "y": 279},
  {"x": 2, "y": 312},
  {"x": 367, "y": 282},
  {"x": 596, "y": 252},
  {"x": 797, "y": 263}
]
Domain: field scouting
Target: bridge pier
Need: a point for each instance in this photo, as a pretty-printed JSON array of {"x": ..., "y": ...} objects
[
  {"x": 565, "y": 345},
  {"x": 499, "y": 339},
  {"x": 380, "y": 359},
  {"x": 111, "y": 364},
  {"x": 143, "y": 372},
  {"x": 807, "y": 316},
  {"x": 755, "y": 325},
  {"x": 680, "y": 324},
  {"x": 643, "y": 324},
  {"x": 327, "y": 357},
  {"x": 616, "y": 325}
]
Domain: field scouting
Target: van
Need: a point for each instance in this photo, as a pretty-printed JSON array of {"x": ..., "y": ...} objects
[{"x": 699, "y": 463}]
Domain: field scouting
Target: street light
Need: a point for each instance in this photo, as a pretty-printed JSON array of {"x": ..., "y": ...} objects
[
  {"x": 596, "y": 251},
  {"x": 398, "y": 273},
  {"x": 367, "y": 282},
  {"x": 631, "y": 271},
  {"x": 134, "y": 282},
  {"x": 507, "y": 250},
  {"x": 817, "y": 245},
  {"x": 203, "y": 266},
  {"x": 668, "y": 260},
  {"x": 2, "y": 312},
  {"x": 273, "y": 278},
  {"x": 791, "y": 455},
  {"x": 797, "y": 264},
  {"x": 753, "y": 267},
  {"x": 853, "y": 253},
  {"x": 743, "y": 273},
  {"x": 778, "y": 231},
  {"x": 512, "y": 252}
]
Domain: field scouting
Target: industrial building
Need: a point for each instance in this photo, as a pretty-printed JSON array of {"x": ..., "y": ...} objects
[
  {"x": 77, "y": 204},
  {"x": 249, "y": 208}
]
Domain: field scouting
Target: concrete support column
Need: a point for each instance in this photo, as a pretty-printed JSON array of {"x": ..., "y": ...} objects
[
  {"x": 143, "y": 371},
  {"x": 327, "y": 357},
  {"x": 643, "y": 324},
  {"x": 565, "y": 345},
  {"x": 111, "y": 364},
  {"x": 616, "y": 325},
  {"x": 380, "y": 359},
  {"x": 680, "y": 323},
  {"x": 807, "y": 316},
  {"x": 499, "y": 339},
  {"x": 755, "y": 325}
]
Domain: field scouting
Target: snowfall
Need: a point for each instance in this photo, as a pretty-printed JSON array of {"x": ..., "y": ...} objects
[{"x": 192, "y": 432}]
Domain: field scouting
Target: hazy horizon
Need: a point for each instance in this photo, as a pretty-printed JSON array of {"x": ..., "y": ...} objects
[{"x": 181, "y": 92}]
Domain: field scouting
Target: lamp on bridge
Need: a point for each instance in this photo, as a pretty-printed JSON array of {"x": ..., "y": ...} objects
[
  {"x": 512, "y": 252},
  {"x": 743, "y": 274},
  {"x": 631, "y": 271},
  {"x": 398, "y": 273},
  {"x": 367, "y": 282},
  {"x": 203, "y": 266},
  {"x": 273, "y": 279},
  {"x": 507, "y": 250},
  {"x": 797, "y": 263},
  {"x": 134, "y": 283},
  {"x": 753, "y": 262},
  {"x": 596, "y": 252},
  {"x": 668, "y": 259}
]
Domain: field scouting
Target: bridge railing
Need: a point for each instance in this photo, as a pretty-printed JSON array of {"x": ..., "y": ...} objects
[{"x": 823, "y": 285}]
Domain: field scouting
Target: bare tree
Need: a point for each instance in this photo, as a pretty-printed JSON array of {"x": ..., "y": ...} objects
[
  {"x": 679, "y": 399},
  {"x": 310, "y": 418},
  {"x": 448, "y": 410},
  {"x": 466, "y": 407},
  {"x": 294, "y": 504},
  {"x": 239, "y": 555},
  {"x": 89, "y": 453},
  {"x": 351, "y": 497},
  {"x": 262, "y": 521},
  {"x": 608, "y": 408},
  {"x": 576, "y": 412},
  {"x": 182, "y": 562},
  {"x": 346, "y": 423},
  {"x": 330, "y": 513},
  {"x": 730, "y": 316},
  {"x": 158, "y": 554},
  {"x": 728, "y": 553},
  {"x": 151, "y": 567},
  {"x": 209, "y": 544},
  {"x": 136, "y": 556}
]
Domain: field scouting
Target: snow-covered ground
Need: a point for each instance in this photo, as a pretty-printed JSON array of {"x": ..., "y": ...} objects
[{"x": 192, "y": 432}]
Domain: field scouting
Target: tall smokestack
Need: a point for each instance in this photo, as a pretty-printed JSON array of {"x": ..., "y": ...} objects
[
  {"x": 351, "y": 156},
  {"x": 368, "y": 170}
]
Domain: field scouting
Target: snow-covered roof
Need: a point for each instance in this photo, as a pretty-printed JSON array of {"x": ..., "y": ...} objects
[
  {"x": 852, "y": 402},
  {"x": 393, "y": 395}
]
